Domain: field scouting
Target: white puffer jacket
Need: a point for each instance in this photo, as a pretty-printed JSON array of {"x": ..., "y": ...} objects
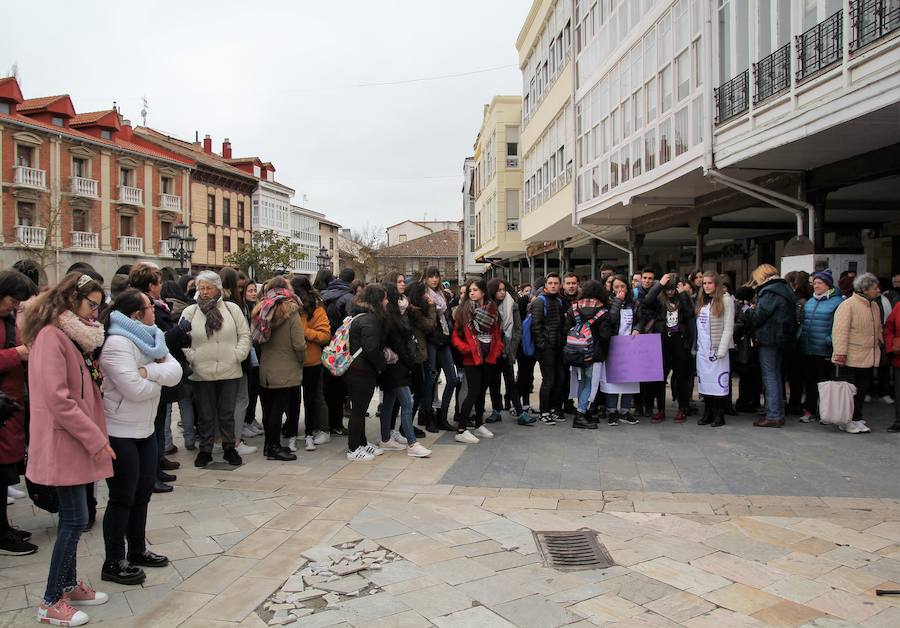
[
  {"x": 129, "y": 400},
  {"x": 217, "y": 357}
]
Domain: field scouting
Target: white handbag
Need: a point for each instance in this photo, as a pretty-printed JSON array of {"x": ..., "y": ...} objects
[{"x": 836, "y": 402}]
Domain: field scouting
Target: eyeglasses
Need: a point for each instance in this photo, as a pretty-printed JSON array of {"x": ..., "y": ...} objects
[{"x": 94, "y": 305}]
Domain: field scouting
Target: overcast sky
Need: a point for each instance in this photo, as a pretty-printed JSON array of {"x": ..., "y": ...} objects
[{"x": 282, "y": 81}]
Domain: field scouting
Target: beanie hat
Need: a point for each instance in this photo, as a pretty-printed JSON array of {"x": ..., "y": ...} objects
[{"x": 826, "y": 276}]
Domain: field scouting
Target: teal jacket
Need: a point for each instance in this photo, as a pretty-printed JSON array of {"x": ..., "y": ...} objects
[{"x": 814, "y": 334}]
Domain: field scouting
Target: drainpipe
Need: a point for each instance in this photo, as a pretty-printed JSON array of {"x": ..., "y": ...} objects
[{"x": 768, "y": 196}]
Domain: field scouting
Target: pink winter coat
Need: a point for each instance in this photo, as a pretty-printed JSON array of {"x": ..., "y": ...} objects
[{"x": 67, "y": 423}]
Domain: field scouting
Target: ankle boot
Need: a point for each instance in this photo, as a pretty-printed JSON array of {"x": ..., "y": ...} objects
[
  {"x": 443, "y": 424},
  {"x": 718, "y": 414},
  {"x": 580, "y": 422},
  {"x": 707, "y": 417},
  {"x": 591, "y": 417}
]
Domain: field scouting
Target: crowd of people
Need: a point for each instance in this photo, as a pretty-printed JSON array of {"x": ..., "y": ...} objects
[{"x": 90, "y": 373}]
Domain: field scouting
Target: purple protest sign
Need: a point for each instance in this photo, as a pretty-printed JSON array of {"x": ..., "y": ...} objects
[{"x": 634, "y": 359}]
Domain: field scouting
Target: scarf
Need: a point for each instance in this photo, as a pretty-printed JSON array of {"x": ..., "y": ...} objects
[
  {"x": 483, "y": 319},
  {"x": 160, "y": 303},
  {"x": 507, "y": 323},
  {"x": 87, "y": 336},
  {"x": 149, "y": 339},
  {"x": 210, "y": 309},
  {"x": 261, "y": 329},
  {"x": 402, "y": 304},
  {"x": 440, "y": 304}
]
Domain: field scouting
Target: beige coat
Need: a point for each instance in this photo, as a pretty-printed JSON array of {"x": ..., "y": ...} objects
[
  {"x": 218, "y": 357},
  {"x": 857, "y": 332},
  {"x": 282, "y": 357}
]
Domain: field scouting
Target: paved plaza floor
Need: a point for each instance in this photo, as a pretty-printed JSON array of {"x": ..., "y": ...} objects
[{"x": 735, "y": 526}]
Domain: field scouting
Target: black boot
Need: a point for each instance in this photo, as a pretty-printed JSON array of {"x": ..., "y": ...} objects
[
  {"x": 443, "y": 424},
  {"x": 591, "y": 417},
  {"x": 580, "y": 422},
  {"x": 718, "y": 414},
  {"x": 707, "y": 417}
]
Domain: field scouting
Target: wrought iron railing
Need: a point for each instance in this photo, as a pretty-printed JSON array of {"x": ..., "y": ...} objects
[
  {"x": 772, "y": 75},
  {"x": 820, "y": 46},
  {"x": 732, "y": 97},
  {"x": 871, "y": 20}
]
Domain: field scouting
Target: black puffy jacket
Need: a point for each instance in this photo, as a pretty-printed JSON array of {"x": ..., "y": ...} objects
[
  {"x": 548, "y": 330},
  {"x": 774, "y": 319},
  {"x": 652, "y": 314},
  {"x": 176, "y": 340},
  {"x": 337, "y": 298},
  {"x": 367, "y": 333},
  {"x": 401, "y": 341}
]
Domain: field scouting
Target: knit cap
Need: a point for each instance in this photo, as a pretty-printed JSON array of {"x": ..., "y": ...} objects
[{"x": 826, "y": 276}]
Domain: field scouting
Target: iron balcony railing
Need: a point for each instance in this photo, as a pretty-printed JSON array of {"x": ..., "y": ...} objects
[
  {"x": 870, "y": 20},
  {"x": 820, "y": 46},
  {"x": 732, "y": 97},
  {"x": 772, "y": 75}
]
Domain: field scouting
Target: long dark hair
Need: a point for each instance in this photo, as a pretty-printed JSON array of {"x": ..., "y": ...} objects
[
  {"x": 172, "y": 290},
  {"x": 370, "y": 300},
  {"x": 466, "y": 309},
  {"x": 415, "y": 292},
  {"x": 231, "y": 290},
  {"x": 127, "y": 302},
  {"x": 628, "y": 295},
  {"x": 323, "y": 278},
  {"x": 17, "y": 285},
  {"x": 394, "y": 320},
  {"x": 304, "y": 290},
  {"x": 492, "y": 286}
]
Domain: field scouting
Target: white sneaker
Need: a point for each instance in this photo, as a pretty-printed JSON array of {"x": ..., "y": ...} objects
[
  {"x": 256, "y": 425},
  {"x": 373, "y": 450},
  {"x": 392, "y": 445},
  {"x": 396, "y": 436},
  {"x": 10, "y": 501},
  {"x": 244, "y": 449},
  {"x": 483, "y": 432},
  {"x": 310, "y": 444},
  {"x": 868, "y": 398},
  {"x": 887, "y": 399},
  {"x": 290, "y": 443},
  {"x": 12, "y": 491},
  {"x": 466, "y": 437},
  {"x": 248, "y": 432},
  {"x": 416, "y": 450},
  {"x": 360, "y": 455},
  {"x": 320, "y": 438}
]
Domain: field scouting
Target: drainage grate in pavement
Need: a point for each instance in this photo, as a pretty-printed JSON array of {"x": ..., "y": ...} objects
[{"x": 572, "y": 550}]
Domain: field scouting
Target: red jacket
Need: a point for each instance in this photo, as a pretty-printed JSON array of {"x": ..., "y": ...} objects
[
  {"x": 12, "y": 382},
  {"x": 892, "y": 336},
  {"x": 468, "y": 346}
]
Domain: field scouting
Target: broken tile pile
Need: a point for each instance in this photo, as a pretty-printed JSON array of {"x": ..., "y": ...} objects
[{"x": 330, "y": 575}]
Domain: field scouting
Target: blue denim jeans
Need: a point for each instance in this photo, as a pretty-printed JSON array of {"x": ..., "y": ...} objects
[
  {"x": 612, "y": 399},
  {"x": 439, "y": 358},
  {"x": 73, "y": 517},
  {"x": 773, "y": 384},
  {"x": 584, "y": 376},
  {"x": 404, "y": 396},
  {"x": 186, "y": 410}
]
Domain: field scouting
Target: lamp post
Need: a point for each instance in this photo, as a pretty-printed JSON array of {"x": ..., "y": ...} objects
[
  {"x": 181, "y": 245},
  {"x": 324, "y": 258}
]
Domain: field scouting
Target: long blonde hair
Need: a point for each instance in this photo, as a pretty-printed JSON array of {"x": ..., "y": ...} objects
[
  {"x": 762, "y": 274},
  {"x": 717, "y": 304}
]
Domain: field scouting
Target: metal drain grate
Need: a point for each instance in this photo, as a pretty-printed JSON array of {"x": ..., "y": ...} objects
[{"x": 572, "y": 550}]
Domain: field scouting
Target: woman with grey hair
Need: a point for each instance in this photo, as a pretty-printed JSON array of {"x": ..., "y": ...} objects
[
  {"x": 856, "y": 336},
  {"x": 220, "y": 341}
]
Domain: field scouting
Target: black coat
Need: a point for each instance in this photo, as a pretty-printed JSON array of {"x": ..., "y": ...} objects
[
  {"x": 400, "y": 340},
  {"x": 367, "y": 333},
  {"x": 176, "y": 340},
  {"x": 548, "y": 330},
  {"x": 774, "y": 319},
  {"x": 652, "y": 314},
  {"x": 337, "y": 298}
]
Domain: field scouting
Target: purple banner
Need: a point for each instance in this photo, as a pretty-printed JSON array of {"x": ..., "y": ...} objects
[{"x": 634, "y": 359}]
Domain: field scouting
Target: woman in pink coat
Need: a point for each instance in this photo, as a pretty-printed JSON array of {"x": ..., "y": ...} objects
[{"x": 69, "y": 447}]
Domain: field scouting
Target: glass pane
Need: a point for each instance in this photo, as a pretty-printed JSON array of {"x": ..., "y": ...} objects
[
  {"x": 683, "y": 75},
  {"x": 697, "y": 117},
  {"x": 649, "y": 150},
  {"x": 665, "y": 88},
  {"x": 665, "y": 140},
  {"x": 681, "y": 131},
  {"x": 651, "y": 101}
]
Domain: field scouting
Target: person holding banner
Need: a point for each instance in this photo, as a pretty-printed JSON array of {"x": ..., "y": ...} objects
[
  {"x": 715, "y": 331},
  {"x": 621, "y": 322}
]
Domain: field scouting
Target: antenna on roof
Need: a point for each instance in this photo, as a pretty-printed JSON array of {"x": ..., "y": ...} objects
[
  {"x": 115, "y": 107},
  {"x": 145, "y": 110},
  {"x": 14, "y": 70}
]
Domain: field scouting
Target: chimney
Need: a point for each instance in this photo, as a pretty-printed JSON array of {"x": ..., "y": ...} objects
[
  {"x": 207, "y": 145},
  {"x": 226, "y": 148},
  {"x": 125, "y": 131}
]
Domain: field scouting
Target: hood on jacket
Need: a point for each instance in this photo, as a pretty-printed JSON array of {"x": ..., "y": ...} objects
[
  {"x": 777, "y": 286},
  {"x": 335, "y": 290}
]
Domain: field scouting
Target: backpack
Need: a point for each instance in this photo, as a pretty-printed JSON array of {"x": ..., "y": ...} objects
[
  {"x": 528, "y": 348},
  {"x": 579, "y": 349},
  {"x": 336, "y": 357}
]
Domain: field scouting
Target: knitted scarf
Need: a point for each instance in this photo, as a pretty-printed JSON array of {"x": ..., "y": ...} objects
[
  {"x": 440, "y": 304},
  {"x": 261, "y": 327},
  {"x": 210, "y": 309},
  {"x": 87, "y": 336},
  {"x": 505, "y": 309},
  {"x": 149, "y": 339},
  {"x": 483, "y": 319}
]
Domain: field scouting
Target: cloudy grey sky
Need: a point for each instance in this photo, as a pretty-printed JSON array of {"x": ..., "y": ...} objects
[{"x": 281, "y": 80}]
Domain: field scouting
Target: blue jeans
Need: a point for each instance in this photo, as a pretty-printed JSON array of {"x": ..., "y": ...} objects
[
  {"x": 584, "y": 387},
  {"x": 773, "y": 384},
  {"x": 73, "y": 517},
  {"x": 439, "y": 358},
  {"x": 612, "y": 399},
  {"x": 404, "y": 396},
  {"x": 186, "y": 409}
]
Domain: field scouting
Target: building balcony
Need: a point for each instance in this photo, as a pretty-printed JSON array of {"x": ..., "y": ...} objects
[
  {"x": 130, "y": 244},
  {"x": 84, "y": 240},
  {"x": 872, "y": 20},
  {"x": 80, "y": 186},
  {"x": 30, "y": 178},
  {"x": 820, "y": 46},
  {"x": 733, "y": 97},
  {"x": 170, "y": 202},
  {"x": 31, "y": 236},
  {"x": 130, "y": 196},
  {"x": 772, "y": 75},
  {"x": 163, "y": 250}
]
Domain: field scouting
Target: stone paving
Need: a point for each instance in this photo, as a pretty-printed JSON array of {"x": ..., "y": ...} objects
[{"x": 716, "y": 557}]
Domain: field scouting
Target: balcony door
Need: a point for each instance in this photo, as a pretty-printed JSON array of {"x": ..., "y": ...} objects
[
  {"x": 81, "y": 220},
  {"x": 126, "y": 225},
  {"x": 25, "y": 214}
]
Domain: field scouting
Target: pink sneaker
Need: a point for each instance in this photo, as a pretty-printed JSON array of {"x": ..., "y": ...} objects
[
  {"x": 61, "y": 614},
  {"x": 83, "y": 595},
  {"x": 416, "y": 450}
]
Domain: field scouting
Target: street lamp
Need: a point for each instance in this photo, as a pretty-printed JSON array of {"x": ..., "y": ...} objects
[
  {"x": 324, "y": 258},
  {"x": 181, "y": 245}
]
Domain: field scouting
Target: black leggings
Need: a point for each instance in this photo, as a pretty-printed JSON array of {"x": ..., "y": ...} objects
[
  {"x": 252, "y": 394},
  {"x": 130, "y": 489},
  {"x": 477, "y": 380},
  {"x": 677, "y": 359},
  {"x": 552, "y": 374},
  {"x": 335, "y": 392},
  {"x": 275, "y": 402},
  {"x": 361, "y": 385},
  {"x": 512, "y": 393}
]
